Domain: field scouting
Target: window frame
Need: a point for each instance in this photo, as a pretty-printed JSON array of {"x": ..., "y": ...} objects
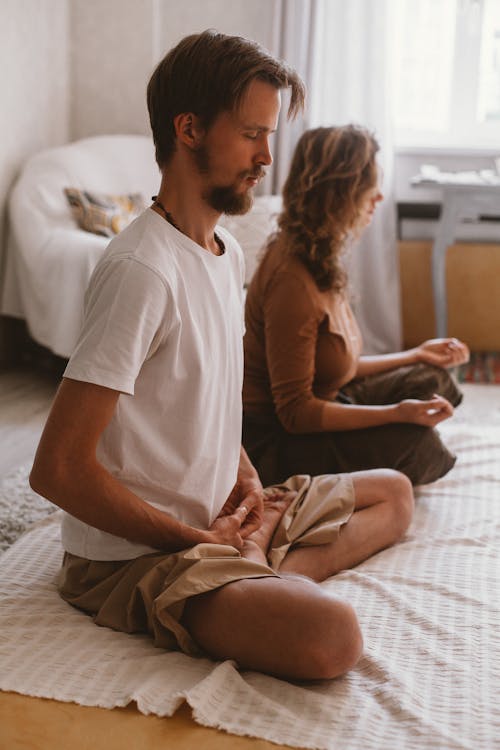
[{"x": 464, "y": 134}]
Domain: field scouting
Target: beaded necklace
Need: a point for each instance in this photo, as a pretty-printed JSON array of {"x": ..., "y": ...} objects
[{"x": 170, "y": 220}]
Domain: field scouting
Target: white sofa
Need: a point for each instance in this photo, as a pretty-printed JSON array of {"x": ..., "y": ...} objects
[{"x": 50, "y": 259}]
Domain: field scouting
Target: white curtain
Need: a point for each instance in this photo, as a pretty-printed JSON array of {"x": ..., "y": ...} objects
[
  {"x": 351, "y": 82},
  {"x": 294, "y": 27}
]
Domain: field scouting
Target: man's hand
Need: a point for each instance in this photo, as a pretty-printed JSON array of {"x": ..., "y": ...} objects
[
  {"x": 276, "y": 502},
  {"x": 247, "y": 496},
  {"x": 241, "y": 514},
  {"x": 232, "y": 525},
  {"x": 243, "y": 511},
  {"x": 448, "y": 352}
]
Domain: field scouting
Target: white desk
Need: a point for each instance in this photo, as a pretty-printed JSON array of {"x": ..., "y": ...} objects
[{"x": 460, "y": 201}]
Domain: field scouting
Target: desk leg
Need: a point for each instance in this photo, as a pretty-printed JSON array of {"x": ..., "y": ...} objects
[{"x": 444, "y": 237}]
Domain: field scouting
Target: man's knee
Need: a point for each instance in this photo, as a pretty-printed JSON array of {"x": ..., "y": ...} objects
[
  {"x": 325, "y": 639},
  {"x": 398, "y": 492},
  {"x": 403, "y": 502},
  {"x": 338, "y": 644},
  {"x": 308, "y": 634}
]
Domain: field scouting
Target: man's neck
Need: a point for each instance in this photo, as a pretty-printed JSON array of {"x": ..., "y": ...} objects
[{"x": 180, "y": 196}]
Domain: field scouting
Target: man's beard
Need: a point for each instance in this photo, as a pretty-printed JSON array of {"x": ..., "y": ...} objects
[{"x": 224, "y": 198}]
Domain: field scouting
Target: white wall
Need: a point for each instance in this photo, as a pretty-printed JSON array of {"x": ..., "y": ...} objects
[
  {"x": 254, "y": 20},
  {"x": 111, "y": 60},
  {"x": 33, "y": 86},
  {"x": 77, "y": 68},
  {"x": 117, "y": 43}
]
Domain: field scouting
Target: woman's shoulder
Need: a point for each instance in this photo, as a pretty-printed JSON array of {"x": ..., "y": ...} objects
[
  {"x": 282, "y": 283},
  {"x": 280, "y": 266}
]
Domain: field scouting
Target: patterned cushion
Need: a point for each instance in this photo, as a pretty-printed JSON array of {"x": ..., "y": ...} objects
[{"x": 103, "y": 214}]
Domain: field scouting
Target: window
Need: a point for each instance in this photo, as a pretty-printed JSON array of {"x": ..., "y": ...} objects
[
  {"x": 446, "y": 73},
  {"x": 489, "y": 69}
]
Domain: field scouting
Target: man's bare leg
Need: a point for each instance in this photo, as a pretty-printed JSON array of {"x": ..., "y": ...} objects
[
  {"x": 382, "y": 512},
  {"x": 288, "y": 626},
  {"x": 284, "y": 626}
]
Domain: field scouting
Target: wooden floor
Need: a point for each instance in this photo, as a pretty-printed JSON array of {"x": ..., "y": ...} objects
[{"x": 25, "y": 397}]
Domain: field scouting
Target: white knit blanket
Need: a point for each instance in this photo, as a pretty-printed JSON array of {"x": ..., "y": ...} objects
[{"x": 429, "y": 610}]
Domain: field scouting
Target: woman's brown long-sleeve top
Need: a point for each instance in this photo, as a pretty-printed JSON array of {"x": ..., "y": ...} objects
[{"x": 301, "y": 344}]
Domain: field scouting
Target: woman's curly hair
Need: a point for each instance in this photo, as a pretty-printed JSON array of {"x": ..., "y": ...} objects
[{"x": 331, "y": 170}]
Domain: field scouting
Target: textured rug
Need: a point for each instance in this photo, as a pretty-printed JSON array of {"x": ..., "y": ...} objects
[
  {"x": 428, "y": 607},
  {"x": 19, "y": 506}
]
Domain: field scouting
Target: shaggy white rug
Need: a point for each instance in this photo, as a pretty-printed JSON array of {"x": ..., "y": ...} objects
[{"x": 20, "y": 507}]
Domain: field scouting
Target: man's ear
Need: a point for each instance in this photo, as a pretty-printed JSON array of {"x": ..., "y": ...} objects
[{"x": 188, "y": 129}]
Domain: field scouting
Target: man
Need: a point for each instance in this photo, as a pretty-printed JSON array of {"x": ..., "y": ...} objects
[{"x": 167, "y": 526}]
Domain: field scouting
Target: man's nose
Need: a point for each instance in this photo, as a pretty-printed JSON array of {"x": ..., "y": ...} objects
[{"x": 265, "y": 156}]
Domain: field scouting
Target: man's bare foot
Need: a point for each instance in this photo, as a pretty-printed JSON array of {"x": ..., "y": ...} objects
[{"x": 257, "y": 544}]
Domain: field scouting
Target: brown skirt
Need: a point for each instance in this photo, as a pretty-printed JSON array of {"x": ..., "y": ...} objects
[{"x": 414, "y": 450}]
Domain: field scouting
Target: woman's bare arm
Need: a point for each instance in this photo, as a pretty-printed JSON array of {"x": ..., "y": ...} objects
[{"x": 446, "y": 352}]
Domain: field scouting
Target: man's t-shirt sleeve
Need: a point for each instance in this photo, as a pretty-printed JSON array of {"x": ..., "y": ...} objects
[{"x": 126, "y": 317}]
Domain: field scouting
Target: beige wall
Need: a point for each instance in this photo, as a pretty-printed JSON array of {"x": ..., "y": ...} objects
[
  {"x": 33, "y": 86},
  {"x": 77, "y": 68},
  {"x": 254, "y": 20},
  {"x": 111, "y": 59},
  {"x": 34, "y": 44},
  {"x": 117, "y": 43}
]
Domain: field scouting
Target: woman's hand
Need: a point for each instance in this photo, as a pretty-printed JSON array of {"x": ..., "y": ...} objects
[
  {"x": 428, "y": 413},
  {"x": 448, "y": 352}
]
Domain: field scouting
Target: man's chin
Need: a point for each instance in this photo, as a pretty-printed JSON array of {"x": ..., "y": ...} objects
[
  {"x": 227, "y": 201},
  {"x": 243, "y": 206}
]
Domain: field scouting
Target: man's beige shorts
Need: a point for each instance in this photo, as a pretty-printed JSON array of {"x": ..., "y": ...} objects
[{"x": 148, "y": 593}]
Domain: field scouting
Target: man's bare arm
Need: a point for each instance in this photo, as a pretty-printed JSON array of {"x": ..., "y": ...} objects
[{"x": 66, "y": 471}]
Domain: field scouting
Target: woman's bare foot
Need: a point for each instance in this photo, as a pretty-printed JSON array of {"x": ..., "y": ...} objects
[{"x": 257, "y": 544}]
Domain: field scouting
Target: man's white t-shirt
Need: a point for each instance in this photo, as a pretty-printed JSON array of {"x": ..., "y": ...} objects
[{"x": 163, "y": 324}]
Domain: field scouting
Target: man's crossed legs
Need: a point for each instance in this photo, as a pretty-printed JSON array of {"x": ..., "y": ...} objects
[{"x": 288, "y": 625}]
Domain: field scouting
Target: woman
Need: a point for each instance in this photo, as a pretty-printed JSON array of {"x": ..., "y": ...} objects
[{"x": 312, "y": 404}]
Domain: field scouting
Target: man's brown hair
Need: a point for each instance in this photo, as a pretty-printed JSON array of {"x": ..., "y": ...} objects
[{"x": 207, "y": 74}]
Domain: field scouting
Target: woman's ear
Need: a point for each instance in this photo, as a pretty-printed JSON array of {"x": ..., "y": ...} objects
[{"x": 188, "y": 129}]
